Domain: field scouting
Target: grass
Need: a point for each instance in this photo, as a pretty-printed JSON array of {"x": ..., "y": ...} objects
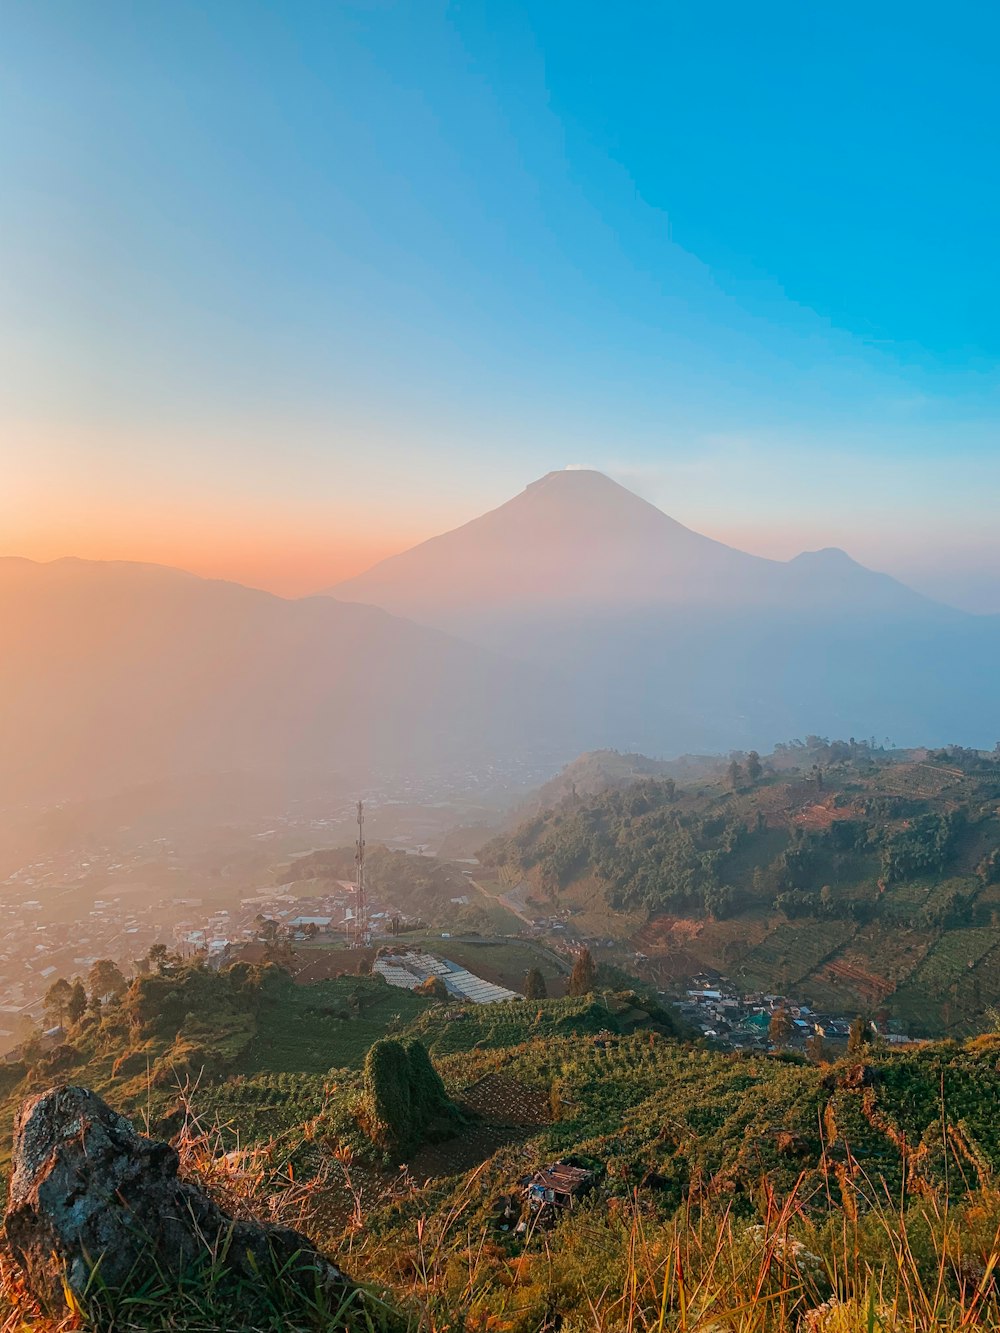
[
  {"x": 329, "y": 1025},
  {"x": 750, "y": 1195},
  {"x": 735, "y": 1193}
]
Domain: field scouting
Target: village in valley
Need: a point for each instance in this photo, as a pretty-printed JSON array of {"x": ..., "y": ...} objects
[
  {"x": 312, "y": 936},
  {"x": 262, "y": 890},
  {"x": 758, "y": 1021}
]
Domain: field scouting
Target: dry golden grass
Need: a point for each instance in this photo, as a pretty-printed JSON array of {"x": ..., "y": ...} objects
[{"x": 845, "y": 1260}]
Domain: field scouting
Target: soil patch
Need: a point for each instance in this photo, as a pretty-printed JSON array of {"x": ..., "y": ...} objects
[
  {"x": 503, "y": 1100},
  {"x": 464, "y": 1152}
]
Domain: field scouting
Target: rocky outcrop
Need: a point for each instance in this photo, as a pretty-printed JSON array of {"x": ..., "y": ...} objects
[{"x": 94, "y": 1204}]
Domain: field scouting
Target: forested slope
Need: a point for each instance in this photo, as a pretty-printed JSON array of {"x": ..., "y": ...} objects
[{"x": 857, "y": 878}]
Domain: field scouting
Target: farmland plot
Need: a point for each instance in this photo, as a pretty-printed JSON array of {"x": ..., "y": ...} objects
[{"x": 791, "y": 952}]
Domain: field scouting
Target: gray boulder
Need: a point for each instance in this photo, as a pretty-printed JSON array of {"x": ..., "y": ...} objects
[{"x": 88, "y": 1192}]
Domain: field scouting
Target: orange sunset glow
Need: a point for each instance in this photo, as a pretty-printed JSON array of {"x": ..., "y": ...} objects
[{"x": 290, "y": 564}]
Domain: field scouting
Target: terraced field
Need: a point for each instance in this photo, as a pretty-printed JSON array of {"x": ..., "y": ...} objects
[
  {"x": 789, "y": 954},
  {"x": 503, "y": 1099},
  {"x": 960, "y": 974}
]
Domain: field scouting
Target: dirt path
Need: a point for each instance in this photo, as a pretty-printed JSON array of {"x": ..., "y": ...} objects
[{"x": 506, "y": 901}]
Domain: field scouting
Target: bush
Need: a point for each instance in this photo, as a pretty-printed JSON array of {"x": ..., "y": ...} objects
[{"x": 403, "y": 1094}]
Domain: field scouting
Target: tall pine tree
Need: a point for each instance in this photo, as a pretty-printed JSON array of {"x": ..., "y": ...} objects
[
  {"x": 534, "y": 986},
  {"x": 584, "y": 974}
]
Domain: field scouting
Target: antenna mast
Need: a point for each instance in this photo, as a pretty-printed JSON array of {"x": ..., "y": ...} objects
[{"x": 361, "y": 906}]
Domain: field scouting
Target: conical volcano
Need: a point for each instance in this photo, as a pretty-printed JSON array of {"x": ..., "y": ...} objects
[
  {"x": 571, "y": 539},
  {"x": 577, "y": 543}
]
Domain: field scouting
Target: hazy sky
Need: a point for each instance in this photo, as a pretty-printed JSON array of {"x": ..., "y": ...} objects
[{"x": 286, "y": 286}]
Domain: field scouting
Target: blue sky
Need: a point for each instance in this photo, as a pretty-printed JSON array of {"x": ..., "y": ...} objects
[{"x": 320, "y": 279}]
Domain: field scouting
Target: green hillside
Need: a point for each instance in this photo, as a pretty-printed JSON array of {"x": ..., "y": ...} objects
[
  {"x": 722, "y": 1183},
  {"x": 850, "y": 877}
]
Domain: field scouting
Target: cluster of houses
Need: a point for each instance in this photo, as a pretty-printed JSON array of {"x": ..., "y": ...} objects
[
  {"x": 744, "y": 1022},
  {"x": 327, "y": 916},
  {"x": 39, "y": 942},
  {"x": 38, "y": 946}
]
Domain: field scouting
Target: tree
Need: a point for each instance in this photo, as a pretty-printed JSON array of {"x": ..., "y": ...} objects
[
  {"x": 534, "y": 985},
  {"x": 160, "y": 960},
  {"x": 754, "y": 766},
  {"x": 77, "y": 1006},
  {"x": 387, "y": 1090},
  {"x": 57, "y": 1001},
  {"x": 859, "y": 1035},
  {"x": 721, "y": 900},
  {"x": 734, "y": 774},
  {"x": 105, "y": 978},
  {"x": 584, "y": 974},
  {"x": 816, "y": 1049},
  {"x": 402, "y": 1094},
  {"x": 433, "y": 987},
  {"x": 266, "y": 929},
  {"x": 276, "y": 944},
  {"x": 780, "y": 1028}
]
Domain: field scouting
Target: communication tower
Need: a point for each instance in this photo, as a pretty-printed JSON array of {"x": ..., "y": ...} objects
[{"x": 361, "y": 905}]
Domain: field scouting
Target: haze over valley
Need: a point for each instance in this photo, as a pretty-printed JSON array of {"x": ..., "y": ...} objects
[{"x": 574, "y": 617}]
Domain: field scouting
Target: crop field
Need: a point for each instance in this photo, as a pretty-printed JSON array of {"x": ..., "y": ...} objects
[
  {"x": 717, "y": 944},
  {"x": 505, "y": 1111},
  {"x": 907, "y": 893},
  {"x": 789, "y": 953},
  {"x": 958, "y": 978},
  {"x": 856, "y": 979},
  {"x": 324, "y": 962},
  {"x": 899, "y": 951},
  {"x": 248, "y": 1110},
  {"x": 974, "y": 990},
  {"x": 591, "y": 913},
  {"x": 329, "y": 1025},
  {"x": 958, "y": 950},
  {"x": 488, "y": 1027},
  {"x": 922, "y": 781},
  {"x": 939, "y": 891},
  {"x": 466, "y": 1151},
  {"x": 505, "y": 1100}
]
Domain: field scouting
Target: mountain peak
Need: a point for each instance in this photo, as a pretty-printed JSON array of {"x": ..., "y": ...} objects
[
  {"x": 583, "y": 483},
  {"x": 826, "y": 557},
  {"x": 582, "y": 495},
  {"x": 575, "y": 538},
  {"x": 577, "y": 477}
]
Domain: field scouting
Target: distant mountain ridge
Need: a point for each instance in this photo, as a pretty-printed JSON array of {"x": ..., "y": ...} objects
[
  {"x": 574, "y": 617},
  {"x": 578, "y": 539},
  {"x": 666, "y": 640},
  {"x": 115, "y": 674}
]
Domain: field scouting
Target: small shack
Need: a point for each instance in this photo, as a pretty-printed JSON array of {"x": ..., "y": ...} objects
[{"x": 557, "y": 1187}]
